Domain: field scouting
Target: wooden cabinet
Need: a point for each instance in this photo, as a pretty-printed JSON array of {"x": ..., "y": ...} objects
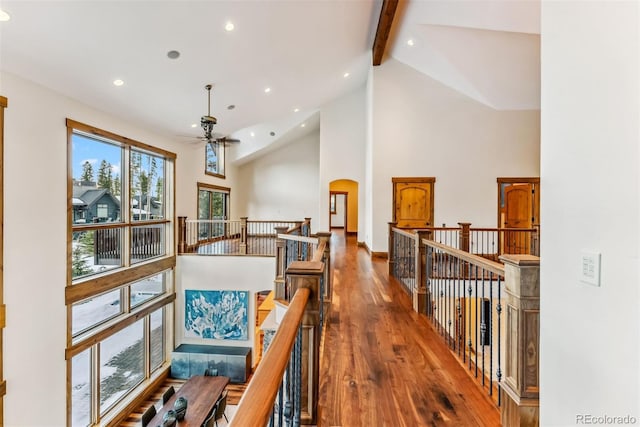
[{"x": 192, "y": 359}]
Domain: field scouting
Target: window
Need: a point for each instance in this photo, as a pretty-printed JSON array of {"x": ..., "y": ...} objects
[
  {"x": 213, "y": 209},
  {"x": 214, "y": 159},
  {"x": 121, "y": 261}
]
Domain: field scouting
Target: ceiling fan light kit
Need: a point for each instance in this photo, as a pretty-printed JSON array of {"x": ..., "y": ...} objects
[{"x": 207, "y": 122}]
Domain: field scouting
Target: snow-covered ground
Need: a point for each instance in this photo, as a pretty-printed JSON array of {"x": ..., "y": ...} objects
[{"x": 90, "y": 313}]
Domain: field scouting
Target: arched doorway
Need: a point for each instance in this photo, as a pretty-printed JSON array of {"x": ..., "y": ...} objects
[{"x": 343, "y": 205}]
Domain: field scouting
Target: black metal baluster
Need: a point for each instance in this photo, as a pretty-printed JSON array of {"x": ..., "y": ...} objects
[
  {"x": 477, "y": 322},
  {"x": 483, "y": 325},
  {"x": 491, "y": 335},
  {"x": 499, "y": 371}
]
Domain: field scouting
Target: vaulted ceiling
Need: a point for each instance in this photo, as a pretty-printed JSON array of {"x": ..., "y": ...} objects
[{"x": 300, "y": 50}]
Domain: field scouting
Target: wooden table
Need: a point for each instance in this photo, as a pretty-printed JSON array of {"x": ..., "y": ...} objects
[{"x": 201, "y": 393}]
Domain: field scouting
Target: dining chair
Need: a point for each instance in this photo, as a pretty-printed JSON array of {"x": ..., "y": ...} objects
[
  {"x": 221, "y": 406},
  {"x": 211, "y": 421},
  {"x": 167, "y": 394},
  {"x": 148, "y": 415}
]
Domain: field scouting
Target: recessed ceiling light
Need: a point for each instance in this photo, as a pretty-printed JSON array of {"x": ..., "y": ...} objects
[
  {"x": 118, "y": 82},
  {"x": 193, "y": 125},
  {"x": 267, "y": 90},
  {"x": 303, "y": 125},
  {"x": 173, "y": 54},
  {"x": 230, "y": 107},
  {"x": 410, "y": 42},
  {"x": 4, "y": 16},
  {"x": 346, "y": 75},
  {"x": 229, "y": 26},
  {"x": 253, "y": 134},
  {"x": 295, "y": 110}
]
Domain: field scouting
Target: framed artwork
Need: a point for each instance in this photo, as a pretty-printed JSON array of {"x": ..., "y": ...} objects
[
  {"x": 214, "y": 158},
  {"x": 220, "y": 315}
]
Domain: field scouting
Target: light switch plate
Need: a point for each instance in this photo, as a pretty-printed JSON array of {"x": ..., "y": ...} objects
[{"x": 590, "y": 268}]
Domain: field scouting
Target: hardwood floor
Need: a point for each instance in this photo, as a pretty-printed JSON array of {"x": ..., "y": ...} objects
[{"x": 381, "y": 363}]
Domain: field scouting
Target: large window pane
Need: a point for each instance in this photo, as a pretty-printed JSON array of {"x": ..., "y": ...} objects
[
  {"x": 214, "y": 158},
  {"x": 121, "y": 364},
  {"x": 81, "y": 389},
  {"x": 97, "y": 185},
  {"x": 147, "y": 289},
  {"x": 93, "y": 311},
  {"x": 147, "y": 242},
  {"x": 147, "y": 186},
  {"x": 157, "y": 338},
  {"x": 95, "y": 251}
]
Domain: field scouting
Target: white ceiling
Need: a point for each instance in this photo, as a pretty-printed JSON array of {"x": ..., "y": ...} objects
[
  {"x": 300, "y": 49},
  {"x": 488, "y": 50}
]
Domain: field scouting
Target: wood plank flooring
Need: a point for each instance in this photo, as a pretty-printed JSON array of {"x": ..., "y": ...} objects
[{"x": 382, "y": 364}]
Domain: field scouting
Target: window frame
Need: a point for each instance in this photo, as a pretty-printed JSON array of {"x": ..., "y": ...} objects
[
  {"x": 120, "y": 278},
  {"x": 219, "y": 172}
]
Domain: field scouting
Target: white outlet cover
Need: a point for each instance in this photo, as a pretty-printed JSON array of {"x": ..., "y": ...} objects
[{"x": 590, "y": 267}]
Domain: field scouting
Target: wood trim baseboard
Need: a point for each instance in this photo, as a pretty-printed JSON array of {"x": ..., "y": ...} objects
[{"x": 364, "y": 245}]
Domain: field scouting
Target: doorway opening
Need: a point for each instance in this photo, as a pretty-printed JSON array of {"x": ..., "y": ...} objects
[{"x": 343, "y": 205}]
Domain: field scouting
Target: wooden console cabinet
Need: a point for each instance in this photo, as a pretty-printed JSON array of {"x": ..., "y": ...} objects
[{"x": 192, "y": 359}]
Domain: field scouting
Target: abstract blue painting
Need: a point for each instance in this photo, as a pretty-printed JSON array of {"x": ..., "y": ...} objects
[{"x": 220, "y": 315}]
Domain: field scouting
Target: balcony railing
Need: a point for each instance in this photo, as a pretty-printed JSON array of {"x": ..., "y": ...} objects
[
  {"x": 487, "y": 312},
  {"x": 284, "y": 388},
  {"x": 234, "y": 237}
]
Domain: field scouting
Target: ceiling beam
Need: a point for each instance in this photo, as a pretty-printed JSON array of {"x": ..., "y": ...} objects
[{"x": 384, "y": 28}]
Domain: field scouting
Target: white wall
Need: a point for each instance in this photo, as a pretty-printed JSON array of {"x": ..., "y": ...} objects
[
  {"x": 252, "y": 274},
  {"x": 422, "y": 128},
  {"x": 281, "y": 185},
  {"x": 189, "y": 171},
  {"x": 590, "y": 200},
  {"x": 35, "y": 205},
  {"x": 342, "y": 149}
]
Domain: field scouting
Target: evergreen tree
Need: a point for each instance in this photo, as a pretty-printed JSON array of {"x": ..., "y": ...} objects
[
  {"x": 78, "y": 264},
  {"x": 115, "y": 185},
  {"x": 159, "y": 188},
  {"x": 104, "y": 175},
  {"x": 87, "y": 172}
]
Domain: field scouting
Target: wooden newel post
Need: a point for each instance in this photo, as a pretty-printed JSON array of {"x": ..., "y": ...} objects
[
  {"x": 307, "y": 274},
  {"x": 243, "y": 235},
  {"x": 182, "y": 234},
  {"x": 278, "y": 283},
  {"x": 390, "y": 248},
  {"x": 308, "y": 222},
  {"x": 521, "y": 385},
  {"x": 463, "y": 239},
  {"x": 325, "y": 236},
  {"x": 420, "y": 291}
]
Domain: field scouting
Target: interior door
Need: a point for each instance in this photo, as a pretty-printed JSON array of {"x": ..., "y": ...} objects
[
  {"x": 413, "y": 202},
  {"x": 518, "y": 214}
]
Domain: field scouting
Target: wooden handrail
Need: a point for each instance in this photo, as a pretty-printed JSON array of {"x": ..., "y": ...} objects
[
  {"x": 311, "y": 240},
  {"x": 410, "y": 234},
  {"x": 488, "y": 265},
  {"x": 319, "y": 253},
  {"x": 256, "y": 404}
]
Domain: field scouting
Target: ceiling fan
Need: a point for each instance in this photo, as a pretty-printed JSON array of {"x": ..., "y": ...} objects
[{"x": 207, "y": 122}]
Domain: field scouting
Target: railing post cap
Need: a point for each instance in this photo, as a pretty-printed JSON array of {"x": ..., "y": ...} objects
[
  {"x": 461, "y": 223},
  {"x": 520, "y": 260},
  {"x": 323, "y": 234}
]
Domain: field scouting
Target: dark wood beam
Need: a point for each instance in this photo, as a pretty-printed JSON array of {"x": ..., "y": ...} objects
[{"x": 387, "y": 13}]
